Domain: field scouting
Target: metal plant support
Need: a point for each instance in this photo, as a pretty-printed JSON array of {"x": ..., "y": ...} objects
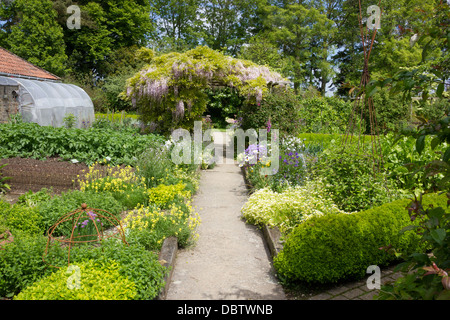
[
  {"x": 362, "y": 103},
  {"x": 93, "y": 217}
]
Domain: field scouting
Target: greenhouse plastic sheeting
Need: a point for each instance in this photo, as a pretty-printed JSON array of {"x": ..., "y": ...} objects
[{"x": 47, "y": 103}]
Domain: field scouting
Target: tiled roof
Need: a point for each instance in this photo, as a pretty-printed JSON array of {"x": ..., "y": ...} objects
[{"x": 15, "y": 65}]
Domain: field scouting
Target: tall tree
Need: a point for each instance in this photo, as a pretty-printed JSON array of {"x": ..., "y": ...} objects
[
  {"x": 391, "y": 48},
  {"x": 177, "y": 23},
  {"x": 227, "y": 24},
  {"x": 106, "y": 27},
  {"x": 303, "y": 34},
  {"x": 30, "y": 30}
]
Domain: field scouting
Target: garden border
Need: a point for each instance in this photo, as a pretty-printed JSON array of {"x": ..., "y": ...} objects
[
  {"x": 271, "y": 234},
  {"x": 167, "y": 256}
]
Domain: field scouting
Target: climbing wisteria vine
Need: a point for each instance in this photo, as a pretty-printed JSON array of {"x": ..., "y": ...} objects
[{"x": 170, "y": 90}]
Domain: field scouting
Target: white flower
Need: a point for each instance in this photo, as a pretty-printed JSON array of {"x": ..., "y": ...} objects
[{"x": 74, "y": 161}]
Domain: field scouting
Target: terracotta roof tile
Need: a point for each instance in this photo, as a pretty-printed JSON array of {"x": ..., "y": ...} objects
[{"x": 14, "y": 65}]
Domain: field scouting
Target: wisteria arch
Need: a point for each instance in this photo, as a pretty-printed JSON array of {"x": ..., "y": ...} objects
[{"x": 170, "y": 91}]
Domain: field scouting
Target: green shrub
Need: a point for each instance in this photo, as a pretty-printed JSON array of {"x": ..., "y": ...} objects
[
  {"x": 405, "y": 165},
  {"x": 21, "y": 263},
  {"x": 288, "y": 208},
  {"x": 51, "y": 211},
  {"x": 336, "y": 247},
  {"x": 323, "y": 115},
  {"x": 154, "y": 165},
  {"x": 280, "y": 106},
  {"x": 351, "y": 179},
  {"x": 323, "y": 141},
  {"x": 32, "y": 199},
  {"x": 136, "y": 263},
  {"x": 22, "y": 218},
  {"x": 97, "y": 281},
  {"x": 149, "y": 226}
]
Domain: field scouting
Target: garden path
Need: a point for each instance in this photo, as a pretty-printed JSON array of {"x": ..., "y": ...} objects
[{"x": 230, "y": 259}]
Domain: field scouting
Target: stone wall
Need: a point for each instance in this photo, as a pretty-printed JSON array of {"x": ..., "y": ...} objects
[{"x": 9, "y": 102}]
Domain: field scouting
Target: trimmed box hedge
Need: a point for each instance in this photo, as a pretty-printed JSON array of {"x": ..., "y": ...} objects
[{"x": 330, "y": 248}]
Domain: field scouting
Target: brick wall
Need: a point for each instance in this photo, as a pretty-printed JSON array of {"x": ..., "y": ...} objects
[{"x": 9, "y": 104}]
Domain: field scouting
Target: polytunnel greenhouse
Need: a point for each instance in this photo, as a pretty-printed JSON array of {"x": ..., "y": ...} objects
[{"x": 48, "y": 102}]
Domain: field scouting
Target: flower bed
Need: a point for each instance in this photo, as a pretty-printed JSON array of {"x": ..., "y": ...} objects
[
  {"x": 333, "y": 213},
  {"x": 152, "y": 206}
]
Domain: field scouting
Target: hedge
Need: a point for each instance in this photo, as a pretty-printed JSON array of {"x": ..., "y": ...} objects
[
  {"x": 331, "y": 248},
  {"x": 85, "y": 281}
]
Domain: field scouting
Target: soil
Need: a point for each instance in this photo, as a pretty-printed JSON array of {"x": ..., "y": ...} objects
[{"x": 32, "y": 174}]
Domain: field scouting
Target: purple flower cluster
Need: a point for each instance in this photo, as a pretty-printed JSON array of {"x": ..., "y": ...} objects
[
  {"x": 255, "y": 152},
  {"x": 92, "y": 217},
  {"x": 291, "y": 158}
]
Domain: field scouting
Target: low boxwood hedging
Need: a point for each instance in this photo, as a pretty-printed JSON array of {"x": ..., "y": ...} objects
[
  {"x": 21, "y": 266},
  {"x": 330, "y": 248},
  {"x": 96, "y": 281}
]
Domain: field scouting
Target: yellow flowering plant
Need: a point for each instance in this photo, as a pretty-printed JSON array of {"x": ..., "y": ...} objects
[
  {"x": 165, "y": 195},
  {"x": 149, "y": 225},
  {"x": 123, "y": 182}
]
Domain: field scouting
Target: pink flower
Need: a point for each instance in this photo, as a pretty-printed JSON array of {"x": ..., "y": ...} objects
[{"x": 269, "y": 125}]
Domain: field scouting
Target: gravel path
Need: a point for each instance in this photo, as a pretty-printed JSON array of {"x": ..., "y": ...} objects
[{"x": 230, "y": 259}]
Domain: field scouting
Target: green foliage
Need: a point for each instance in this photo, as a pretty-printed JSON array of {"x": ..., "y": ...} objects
[
  {"x": 304, "y": 33},
  {"x": 109, "y": 27},
  {"x": 115, "y": 117},
  {"x": 405, "y": 165},
  {"x": 351, "y": 178},
  {"x": 263, "y": 52},
  {"x": 392, "y": 114},
  {"x": 69, "y": 120},
  {"x": 29, "y": 140},
  {"x": 433, "y": 229},
  {"x": 324, "y": 115},
  {"x": 223, "y": 103},
  {"x": 51, "y": 211},
  {"x": 433, "y": 110},
  {"x": 98, "y": 281},
  {"x": 430, "y": 280},
  {"x": 280, "y": 106},
  {"x": 288, "y": 208},
  {"x": 336, "y": 247},
  {"x": 136, "y": 263},
  {"x": 21, "y": 263},
  {"x": 154, "y": 164},
  {"x": 31, "y": 199},
  {"x": 21, "y": 218},
  {"x": 34, "y": 34}
]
